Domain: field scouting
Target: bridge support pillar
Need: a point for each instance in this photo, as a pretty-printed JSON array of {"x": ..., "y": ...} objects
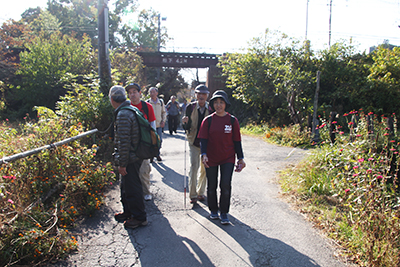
[{"x": 215, "y": 80}]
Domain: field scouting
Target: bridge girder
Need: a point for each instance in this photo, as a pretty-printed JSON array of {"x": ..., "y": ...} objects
[{"x": 178, "y": 60}]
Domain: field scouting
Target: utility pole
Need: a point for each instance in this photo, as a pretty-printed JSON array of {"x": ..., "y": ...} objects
[
  {"x": 103, "y": 42},
  {"x": 315, "y": 130},
  {"x": 330, "y": 23},
  {"x": 159, "y": 33},
  {"x": 307, "y": 19}
]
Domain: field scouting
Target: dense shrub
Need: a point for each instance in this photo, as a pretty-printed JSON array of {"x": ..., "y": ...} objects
[{"x": 42, "y": 195}]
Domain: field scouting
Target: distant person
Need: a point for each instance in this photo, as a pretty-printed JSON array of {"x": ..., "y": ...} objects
[
  {"x": 173, "y": 114},
  {"x": 194, "y": 115},
  {"x": 134, "y": 93},
  {"x": 220, "y": 142},
  {"x": 126, "y": 139},
  {"x": 159, "y": 112}
]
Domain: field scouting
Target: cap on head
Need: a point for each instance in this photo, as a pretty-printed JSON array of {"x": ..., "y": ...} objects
[
  {"x": 201, "y": 89},
  {"x": 133, "y": 85},
  {"x": 220, "y": 94}
]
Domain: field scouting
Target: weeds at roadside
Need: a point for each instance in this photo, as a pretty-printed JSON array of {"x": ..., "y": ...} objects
[{"x": 350, "y": 188}]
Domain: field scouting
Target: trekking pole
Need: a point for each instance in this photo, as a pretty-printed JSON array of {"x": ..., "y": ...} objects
[{"x": 184, "y": 176}]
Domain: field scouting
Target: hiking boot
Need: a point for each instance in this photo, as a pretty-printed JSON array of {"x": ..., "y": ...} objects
[
  {"x": 147, "y": 197},
  {"x": 134, "y": 223},
  {"x": 224, "y": 218},
  {"x": 214, "y": 215},
  {"x": 159, "y": 158},
  {"x": 121, "y": 217}
]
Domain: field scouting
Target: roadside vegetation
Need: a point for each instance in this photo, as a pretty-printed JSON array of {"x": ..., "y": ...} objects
[{"x": 349, "y": 188}]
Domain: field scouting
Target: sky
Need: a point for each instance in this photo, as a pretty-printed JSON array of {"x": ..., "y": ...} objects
[{"x": 219, "y": 26}]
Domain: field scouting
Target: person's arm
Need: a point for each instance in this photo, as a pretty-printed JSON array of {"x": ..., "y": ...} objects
[
  {"x": 163, "y": 114},
  {"x": 238, "y": 149},
  {"x": 153, "y": 125},
  {"x": 203, "y": 148}
]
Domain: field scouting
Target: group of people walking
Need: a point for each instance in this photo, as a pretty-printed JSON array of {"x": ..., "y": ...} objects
[{"x": 214, "y": 144}]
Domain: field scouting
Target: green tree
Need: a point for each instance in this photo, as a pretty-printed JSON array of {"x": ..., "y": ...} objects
[
  {"x": 44, "y": 66},
  {"x": 143, "y": 35},
  {"x": 382, "y": 94},
  {"x": 260, "y": 76},
  {"x": 45, "y": 24},
  {"x": 343, "y": 75},
  {"x": 126, "y": 67},
  {"x": 80, "y": 17}
]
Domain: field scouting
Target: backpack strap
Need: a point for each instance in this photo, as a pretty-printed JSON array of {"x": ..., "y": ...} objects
[{"x": 145, "y": 109}]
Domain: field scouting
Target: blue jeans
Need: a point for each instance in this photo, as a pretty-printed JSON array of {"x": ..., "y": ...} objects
[{"x": 225, "y": 184}]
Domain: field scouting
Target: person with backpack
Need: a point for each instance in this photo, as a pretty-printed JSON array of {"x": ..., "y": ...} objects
[
  {"x": 126, "y": 139},
  {"x": 173, "y": 114},
  {"x": 220, "y": 141},
  {"x": 160, "y": 113},
  {"x": 194, "y": 115},
  {"x": 134, "y": 93}
]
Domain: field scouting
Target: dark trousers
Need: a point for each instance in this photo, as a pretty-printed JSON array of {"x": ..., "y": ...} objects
[
  {"x": 226, "y": 171},
  {"x": 173, "y": 122},
  {"x": 132, "y": 192}
]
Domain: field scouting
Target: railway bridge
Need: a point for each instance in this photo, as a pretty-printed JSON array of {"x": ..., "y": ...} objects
[{"x": 187, "y": 60}]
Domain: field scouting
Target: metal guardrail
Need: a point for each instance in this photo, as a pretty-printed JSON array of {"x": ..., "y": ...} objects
[{"x": 5, "y": 160}]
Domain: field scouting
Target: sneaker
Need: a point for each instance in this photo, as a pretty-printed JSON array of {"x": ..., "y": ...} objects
[
  {"x": 224, "y": 218},
  {"x": 201, "y": 197},
  {"x": 147, "y": 197},
  {"x": 121, "y": 217},
  {"x": 214, "y": 215},
  {"x": 159, "y": 158},
  {"x": 193, "y": 200},
  {"x": 134, "y": 223}
]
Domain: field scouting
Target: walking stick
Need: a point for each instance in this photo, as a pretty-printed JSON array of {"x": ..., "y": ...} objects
[{"x": 184, "y": 177}]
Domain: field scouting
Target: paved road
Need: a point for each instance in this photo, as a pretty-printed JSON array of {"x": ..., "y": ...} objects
[{"x": 264, "y": 230}]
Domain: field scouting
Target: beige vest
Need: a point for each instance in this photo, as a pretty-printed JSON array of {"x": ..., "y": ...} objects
[{"x": 191, "y": 136}]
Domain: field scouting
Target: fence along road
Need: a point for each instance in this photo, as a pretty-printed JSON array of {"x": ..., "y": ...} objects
[{"x": 265, "y": 231}]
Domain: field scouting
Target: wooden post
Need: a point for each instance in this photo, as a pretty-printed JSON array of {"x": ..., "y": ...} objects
[
  {"x": 352, "y": 127},
  {"x": 390, "y": 126},
  {"x": 315, "y": 131},
  {"x": 370, "y": 124},
  {"x": 332, "y": 128}
]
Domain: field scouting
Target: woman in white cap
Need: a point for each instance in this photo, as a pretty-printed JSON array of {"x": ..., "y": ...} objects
[{"x": 220, "y": 142}]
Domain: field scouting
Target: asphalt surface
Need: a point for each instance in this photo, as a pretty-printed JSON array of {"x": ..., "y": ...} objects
[{"x": 264, "y": 230}]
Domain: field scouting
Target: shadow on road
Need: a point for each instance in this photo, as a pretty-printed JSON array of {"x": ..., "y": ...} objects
[
  {"x": 179, "y": 135},
  {"x": 262, "y": 250},
  {"x": 170, "y": 177},
  {"x": 169, "y": 249}
]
